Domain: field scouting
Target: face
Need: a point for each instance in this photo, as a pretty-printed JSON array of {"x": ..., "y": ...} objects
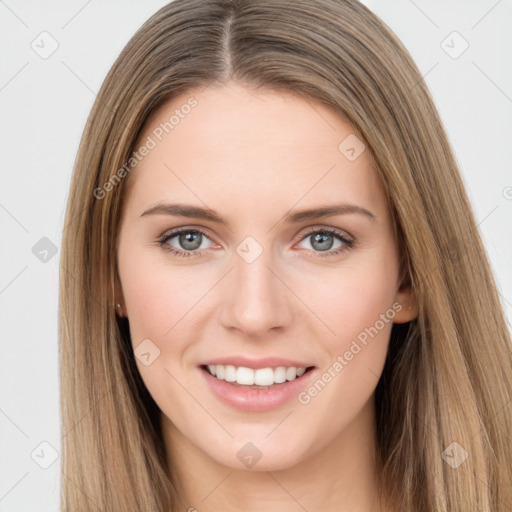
[{"x": 251, "y": 286}]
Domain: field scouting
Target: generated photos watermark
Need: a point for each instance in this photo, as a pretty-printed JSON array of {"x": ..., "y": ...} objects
[
  {"x": 151, "y": 142},
  {"x": 343, "y": 360}
]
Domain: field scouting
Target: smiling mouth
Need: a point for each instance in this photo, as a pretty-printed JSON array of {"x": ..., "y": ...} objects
[{"x": 268, "y": 378}]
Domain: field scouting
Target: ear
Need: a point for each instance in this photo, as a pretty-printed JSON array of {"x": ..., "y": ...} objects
[{"x": 406, "y": 297}]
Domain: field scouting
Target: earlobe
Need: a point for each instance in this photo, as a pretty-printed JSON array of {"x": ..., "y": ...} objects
[
  {"x": 118, "y": 300},
  {"x": 406, "y": 297},
  {"x": 119, "y": 310}
]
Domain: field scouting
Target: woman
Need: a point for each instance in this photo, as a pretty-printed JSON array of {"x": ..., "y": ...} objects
[{"x": 273, "y": 291}]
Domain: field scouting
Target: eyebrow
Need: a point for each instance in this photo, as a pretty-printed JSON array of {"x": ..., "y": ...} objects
[{"x": 294, "y": 217}]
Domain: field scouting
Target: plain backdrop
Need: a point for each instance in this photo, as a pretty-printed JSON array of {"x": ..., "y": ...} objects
[{"x": 44, "y": 103}]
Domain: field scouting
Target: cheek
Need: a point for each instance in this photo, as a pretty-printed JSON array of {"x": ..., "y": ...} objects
[
  {"x": 157, "y": 309},
  {"x": 357, "y": 305},
  {"x": 165, "y": 304},
  {"x": 353, "y": 298},
  {"x": 157, "y": 295},
  {"x": 149, "y": 301},
  {"x": 359, "y": 308}
]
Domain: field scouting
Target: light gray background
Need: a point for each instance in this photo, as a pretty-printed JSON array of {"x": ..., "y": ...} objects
[{"x": 44, "y": 104}]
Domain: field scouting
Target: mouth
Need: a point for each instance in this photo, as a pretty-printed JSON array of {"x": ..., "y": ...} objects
[{"x": 261, "y": 378}]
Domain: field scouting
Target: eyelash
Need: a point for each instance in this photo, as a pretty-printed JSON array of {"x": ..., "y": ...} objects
[{"x": 349, "y": 244}]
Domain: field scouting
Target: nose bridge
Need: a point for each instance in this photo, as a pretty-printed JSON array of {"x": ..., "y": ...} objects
[{"x": 255, "y": 299}]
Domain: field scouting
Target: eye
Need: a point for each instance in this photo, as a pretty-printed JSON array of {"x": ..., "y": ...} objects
[
  {"x": 322, "y": 241},
  {"x": 189, "y": 239}
]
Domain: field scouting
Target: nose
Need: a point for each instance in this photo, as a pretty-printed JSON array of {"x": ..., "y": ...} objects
[{"x": 256, "y": 298}]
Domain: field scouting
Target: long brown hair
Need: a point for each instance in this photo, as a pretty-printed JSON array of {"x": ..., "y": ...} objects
[{"x": 445, "y": 390}]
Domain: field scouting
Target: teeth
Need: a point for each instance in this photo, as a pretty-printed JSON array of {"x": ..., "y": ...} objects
[
  {"x": 259, "y": 377},
  {"x": 243, "y": 375},
  {"x": 230, "y": 373}
]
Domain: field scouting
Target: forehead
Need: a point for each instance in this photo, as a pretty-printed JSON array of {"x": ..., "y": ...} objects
[{"x": 253, "y": 150}]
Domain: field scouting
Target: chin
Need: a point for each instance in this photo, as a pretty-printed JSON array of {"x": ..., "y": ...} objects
[{"x": 253, "y": 456}]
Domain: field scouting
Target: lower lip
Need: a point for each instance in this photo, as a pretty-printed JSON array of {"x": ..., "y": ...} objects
[{"x": 256, "y": 400}]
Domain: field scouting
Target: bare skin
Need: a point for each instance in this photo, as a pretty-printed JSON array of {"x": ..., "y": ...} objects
[{"x": 253, "y": 156}]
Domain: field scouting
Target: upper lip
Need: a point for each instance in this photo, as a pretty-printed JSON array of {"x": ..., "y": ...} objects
[{"x": 264, "y": 362}]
